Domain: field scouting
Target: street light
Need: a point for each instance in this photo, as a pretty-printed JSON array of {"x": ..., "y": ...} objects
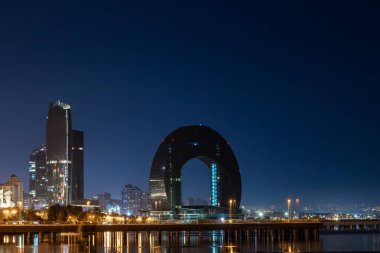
[
  {"x": 289, "y": 213},
  {"x": 297, "y": 211},
  {"x": 232, "y": 204},
  {"x": 230, "y": 207}
]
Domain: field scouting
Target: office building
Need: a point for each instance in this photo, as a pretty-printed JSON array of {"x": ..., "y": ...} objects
[
  {"x": 134, "y": 200},
  {"x": 104, "y": 201},
  {"x": 59, "y": 155},
  {"x": 182, "y": 145},
  {"x": 64, "y": 152},
  {"x": 77, "y": 166},
  {"x": 11, "y": 193},
  {"x": 37, "y": 173}
]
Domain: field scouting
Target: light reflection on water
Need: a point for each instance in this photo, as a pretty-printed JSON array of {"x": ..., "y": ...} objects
[{"x": 119, "y": 242}]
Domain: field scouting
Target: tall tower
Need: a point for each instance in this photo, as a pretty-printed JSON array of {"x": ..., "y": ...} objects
[
  {"x": 37, "y": 173},
  {"x": 59, "y": 153},
  {"x": 77, "y": 166}
]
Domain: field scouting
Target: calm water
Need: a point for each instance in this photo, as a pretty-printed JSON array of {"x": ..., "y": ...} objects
[{"x": 212, "y": 242}]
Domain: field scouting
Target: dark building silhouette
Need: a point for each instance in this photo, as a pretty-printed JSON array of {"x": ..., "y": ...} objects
[
  {"x": 178, "y": 148},
  {"x": 64, "y": 149},
  {"x": 37, "y": 174},
  {"x": 77, "y": 166},
  {"x": 59, "y": 155}
]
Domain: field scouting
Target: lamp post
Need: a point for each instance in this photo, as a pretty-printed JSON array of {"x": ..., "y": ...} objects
[
  {"x": 20, "y": 207},
  {"x": 233, "y": 207},
  {"x": 230, "y": 207},
  {"x": 289, "y": 213}
]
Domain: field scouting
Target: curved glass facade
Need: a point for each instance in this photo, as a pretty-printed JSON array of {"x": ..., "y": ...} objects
[{"x": 179, "y": 147}]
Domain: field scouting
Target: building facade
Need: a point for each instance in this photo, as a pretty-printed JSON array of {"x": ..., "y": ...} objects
[
  {"x": 37, "y": 173},
  {"x": 64, "y": 156},
  {"x": 182, "y": 145},
  {"x": 38, "y": 197},
  {"x": 104, "y": 201},
  {"x": 134, "y": 200},
  {"x": 59, "y": 155},
  {"x": 77, "y": 165},
  {"x": 11, "y": 193}
]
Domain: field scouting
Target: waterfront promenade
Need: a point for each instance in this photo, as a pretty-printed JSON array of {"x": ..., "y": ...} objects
[
  {"x": 240, "y": 229},
  {"x": 350, "y": 226}
]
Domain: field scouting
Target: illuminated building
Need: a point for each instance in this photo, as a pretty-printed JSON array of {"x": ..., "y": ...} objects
[
  {"x": 11, "y": 193},
  {"x": 176, "y": 150},
  {"x": 107, "y": 204},
  {"x": 77, "y": 166},
  {"x": 133, "y": 200},
  {"x": 38, "y": 196},
  {"x": 6, "y": 197},
  {"x": 104, "y": 200},
  {"x": 145, "y": 202},
  {"x": 59, "y": 155},
  {"x": 114, "y": 206},
  {"x": 37, "y": 173},
  {"x": 64, "y": 151}
]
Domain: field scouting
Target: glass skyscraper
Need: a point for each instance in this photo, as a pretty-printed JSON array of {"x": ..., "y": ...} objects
[
  {"x": 37, "y": 174},
  {"x": 56, "y": 169},
  {"x": 182, "y": 145},
  {"x": 59, "y": 153}
]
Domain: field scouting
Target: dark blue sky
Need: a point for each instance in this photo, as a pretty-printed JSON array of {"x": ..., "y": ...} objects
[{"x": 293, "y": 86}]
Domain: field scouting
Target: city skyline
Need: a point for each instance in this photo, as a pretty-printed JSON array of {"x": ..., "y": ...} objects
[{"x": 297, "y": 101}]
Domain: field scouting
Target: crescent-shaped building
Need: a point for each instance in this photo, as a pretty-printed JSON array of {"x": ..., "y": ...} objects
[{"x": 182, "y": 145}]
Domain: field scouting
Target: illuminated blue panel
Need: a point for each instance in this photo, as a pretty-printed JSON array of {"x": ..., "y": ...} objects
[{"x": 214, "y": 185}]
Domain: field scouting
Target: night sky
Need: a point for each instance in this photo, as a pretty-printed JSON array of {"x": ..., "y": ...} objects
[{"x": 294, "y": 87}]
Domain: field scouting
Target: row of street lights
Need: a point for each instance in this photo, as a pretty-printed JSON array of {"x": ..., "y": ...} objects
[{"x": 290, "y": 207}]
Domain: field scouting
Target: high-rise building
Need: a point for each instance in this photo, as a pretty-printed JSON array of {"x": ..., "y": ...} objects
[
  {"x": 38, "y": 197},
  {"x": 104, "y": 200},
  {"x": 182, "y": 145},
  {"x": 146, "y": 203},
  {"x": 56, "y": 170},
  {"x": 64, "y": 146},
  {"x": 37, "y": 173},
  {"x": 59, "y": 152},
  {"x": 11, "y": 193},
  {"x": 133, "y": 200},
  {"x": 77, "y": 166}
]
